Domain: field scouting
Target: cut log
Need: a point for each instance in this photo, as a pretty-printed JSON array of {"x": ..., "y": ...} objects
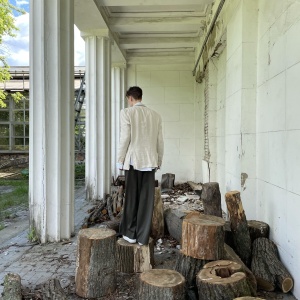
[
  {"x": 95, "y": 263},
  {"x": 161, "y": 284},
  {"x": 211, "y": 198},
  {"x": 189, "y": 267},
  {"x": 239, "y": 226},
  {"x": 267, "y": 267},
  {"x": 203, "y": 236},
  {"x": 167, "y": 182},
  {"x": 258, "y": 229},
  {"x": 158, "y": 228},
  {"x": 222, "y": 280},
  {"x": 248, "y": 298},
  {"x": 12, "y": 287},
  {"x": 133, "y": 258},
  {"x": 229, "y": 254},
  {"x": 52, "y": 290},
  {"x": 173, "y": 221},
  {"x": 228, "y": 235}
]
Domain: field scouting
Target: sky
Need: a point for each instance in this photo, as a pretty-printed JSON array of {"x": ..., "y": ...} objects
[{"x": 16, "y": 49}]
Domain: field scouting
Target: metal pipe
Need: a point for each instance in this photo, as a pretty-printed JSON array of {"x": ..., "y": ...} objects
[{"x": 212, "y": 25}]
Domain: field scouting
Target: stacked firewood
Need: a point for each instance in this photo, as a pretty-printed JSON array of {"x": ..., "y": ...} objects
[{"x": 226, "y": 264}]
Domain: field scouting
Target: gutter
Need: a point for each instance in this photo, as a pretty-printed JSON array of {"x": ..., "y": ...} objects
[{"x": 212, "y": 25}]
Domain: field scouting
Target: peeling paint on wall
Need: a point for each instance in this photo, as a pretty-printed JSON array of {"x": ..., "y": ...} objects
[{"x": 244, "y": 177}]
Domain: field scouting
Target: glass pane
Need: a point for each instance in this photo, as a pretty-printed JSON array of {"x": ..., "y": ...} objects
[
  {"x": 19, "y": 147},
  {"x": 26, "y": 104},
  {"x": 19, "y": 141},
  {"x": 4, "y": 116},
  {"x": 26, "y": 116},
  {"x": 27, "y": 142},
  {"x": 26, "y": 130},
  {"x": 4, "y": 130},
  {"x": 19, "y": 116},
  {"x": 19, "y": 104},
  {"x": 7, "y": 104},
  {"x": 19, "y": 130},
  {"x": 4, "y": 147}
]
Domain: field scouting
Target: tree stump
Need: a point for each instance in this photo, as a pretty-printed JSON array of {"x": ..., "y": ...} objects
[
  {"x": 95, "y": 263},
  {"x": 167, "y": 181},
  {"x": 267, "y": 267},
  {"x": 222, "y": 280},
  {"x": 158, "y": 223},
  {"x": 189, "y": 267},
  {"x": 239, "y": 226},
  {"x": 173, "y": 219},
  {"x": 211, "y": 198},
  {"x": 161, "y": 284},
  {"x": 248, "y": 298},
  {"x": 258, "y": 229},
  {"x": 229, "y": 254},
  {"x": 133, "y": 258},
  {"x": 203, "y": 236},
  {"x": 12, "y": 287}
]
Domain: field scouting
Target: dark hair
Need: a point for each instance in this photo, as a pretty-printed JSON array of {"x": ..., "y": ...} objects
[{"x": 135, "y": 92}]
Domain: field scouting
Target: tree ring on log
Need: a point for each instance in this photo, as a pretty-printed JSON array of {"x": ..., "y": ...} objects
[
  {"x": 161, "y": 284},
  {"x": 222, "y": 280}
]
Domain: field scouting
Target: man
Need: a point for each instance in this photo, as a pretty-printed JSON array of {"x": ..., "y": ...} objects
[{"x": 140, "y": 155}]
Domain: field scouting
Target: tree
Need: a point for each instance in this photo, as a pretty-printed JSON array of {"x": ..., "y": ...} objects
[{"x": 7, "y": 27}]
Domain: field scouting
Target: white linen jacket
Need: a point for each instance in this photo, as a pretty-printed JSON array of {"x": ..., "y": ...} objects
[{"x": 141, "y": 140}]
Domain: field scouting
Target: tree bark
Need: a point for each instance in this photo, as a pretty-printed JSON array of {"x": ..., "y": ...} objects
[
  {"x": 239, "y": 226},
  {"x": 203, "y": 236},
  {"x": 222, "y": 280},
  {"x": 229, "y": 254},
  {"x": 189, "y": 267},
  {"x": 52, "y": 290},
  {"x": 133, "y": 258},
  {"x": 173, "y": 219},
  {"x": 167, "y": 181},
  {"x": 267, "y": 267},
  {"x": 258, "y": 229},
  {"x": 95, "y": 264},
  {"x": 158, "y": 228},
  {"x": 248, "y": 298},
  {"x": 161, "y": 284},
  {"x": 211, "y": 198},
  {"x": 12, "y": 287}
]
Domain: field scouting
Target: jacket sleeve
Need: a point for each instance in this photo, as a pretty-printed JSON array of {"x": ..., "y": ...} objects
[
  {"x": 160, "y": 143},
  {"x": 125, "y": 136}
]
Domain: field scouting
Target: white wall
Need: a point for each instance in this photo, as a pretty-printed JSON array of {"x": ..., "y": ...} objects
[
  {"x": 278, "y": 127},
  {"x": 169, "y": 90},
  {"x": 257, "y": 121}
]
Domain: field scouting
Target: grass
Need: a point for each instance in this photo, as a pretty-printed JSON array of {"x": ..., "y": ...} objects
[{"x": 17, "y": 197}]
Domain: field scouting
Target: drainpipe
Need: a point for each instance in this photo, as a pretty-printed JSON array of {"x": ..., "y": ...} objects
[{"x": 212, "y": 25}]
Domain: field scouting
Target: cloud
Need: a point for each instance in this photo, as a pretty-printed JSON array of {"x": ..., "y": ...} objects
[
  {"x": 22, "y": 2},
  {"x": 17, "y": 48}
]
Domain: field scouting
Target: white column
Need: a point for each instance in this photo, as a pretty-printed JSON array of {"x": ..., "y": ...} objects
[
  {"x": 98, "y": 116},
  {"x": 117, "y": 101},
  {"x": 51, "y": 183}
]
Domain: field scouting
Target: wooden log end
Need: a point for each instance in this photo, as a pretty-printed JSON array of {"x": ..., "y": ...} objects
[
  {"x": 248, "y": 298},
  {"x": 162, "y": 278},
  {"x": 287, "y": 284}
]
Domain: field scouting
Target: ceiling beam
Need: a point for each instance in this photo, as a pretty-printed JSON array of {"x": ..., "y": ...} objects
[
  {"x": 175, "y": 24},
  {"x": 143, "y": 43},
  {"x": 152, "y": 2}
]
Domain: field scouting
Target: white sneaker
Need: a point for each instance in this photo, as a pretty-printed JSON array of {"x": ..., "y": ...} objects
[
  {"x": 141, "y": 244},
  {"x": 131, "y": 241}
]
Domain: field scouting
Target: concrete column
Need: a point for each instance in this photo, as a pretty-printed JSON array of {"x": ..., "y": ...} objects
[
  {"x": 51, "y": 183},
  {"x": 98, "y": 116},
  {"x": 118, "y": 101}
]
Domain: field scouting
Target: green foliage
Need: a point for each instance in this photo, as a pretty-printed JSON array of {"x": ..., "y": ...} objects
[
  {"x": 7, "y": 28},
  {"x": 79, "y": 171},
  {"x": 32, "y": 235}
]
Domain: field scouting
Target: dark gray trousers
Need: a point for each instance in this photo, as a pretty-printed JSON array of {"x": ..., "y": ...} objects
[{"x": 138, "y": 208}]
